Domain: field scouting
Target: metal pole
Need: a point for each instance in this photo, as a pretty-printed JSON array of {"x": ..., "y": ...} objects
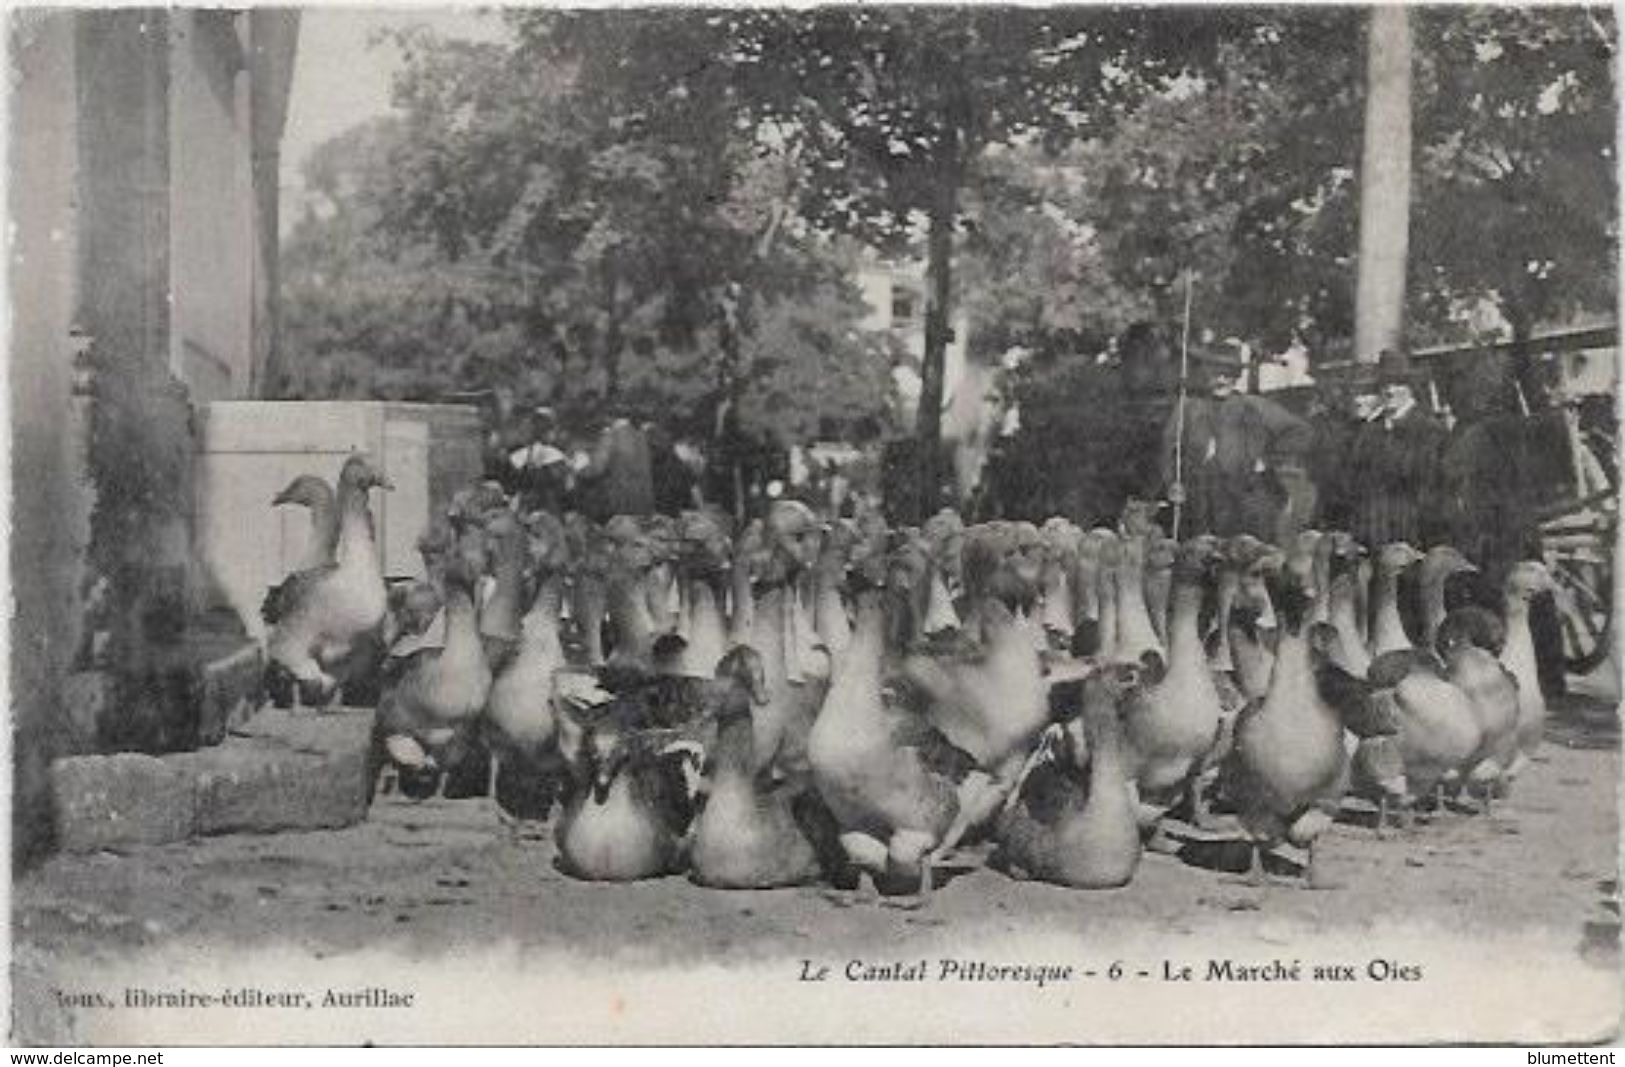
[{"x": 1179, "y": 407}]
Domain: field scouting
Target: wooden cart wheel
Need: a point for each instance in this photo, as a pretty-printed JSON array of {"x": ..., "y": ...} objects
[{"x": 1582, "y": 566}]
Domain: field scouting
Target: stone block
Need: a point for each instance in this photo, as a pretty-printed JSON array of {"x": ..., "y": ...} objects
[
  {"x": 121, "y": 800},
  {"x": 286, "y": 770}
]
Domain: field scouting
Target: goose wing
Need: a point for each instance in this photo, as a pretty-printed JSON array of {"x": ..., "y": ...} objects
[{"x": 283, "y": 599}]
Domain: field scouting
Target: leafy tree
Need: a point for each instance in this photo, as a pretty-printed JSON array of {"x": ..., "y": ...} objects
[
  {"x": 1517, "y": 163},
  {"x": 893, "y": 110},
  {"x": 520, "y": 222}
]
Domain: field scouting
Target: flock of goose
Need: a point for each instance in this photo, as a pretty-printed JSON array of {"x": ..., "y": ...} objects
[{"x": 800, "y": 702}]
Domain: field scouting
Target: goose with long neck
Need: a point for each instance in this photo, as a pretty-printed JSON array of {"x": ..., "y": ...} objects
[
  {"x": 632, "y": 624},
  {"x": 1524, "y": 582},
  {"x": 1344, "y": 558},
  {"x": 1086, "y": 577},
  {"x": 436, "y": 697},
  {"x": 312, "y": 492},
  {"x": 1160, "y": 555},
  {"x": 1289, "y": 760},
  {"x": 1232, "y": 561},
  {"x": 661, "y": 587},
  {"x": 503, "y": 609},
  {"x": 783, "y": 634},
  {"x": 748, "y": 835},
  {"x": 701, "y": 569},
  {"x": 519, "y": 710},
  {"x": 1439, "y": 731},
  {"x": 1060, "y": 611},
  {"x": 1387, "y": 627},
  {"x": 1171, "y": 725},
  {"x": 591, "y": 557},
  {"x": 1252, "y": 618},
  {"x": 991, "y": 701},
  {"x": 1325, "y": 545},
  {"x": 1110, "y": 556},
  {"x": 1469, "y": 640},
  {"x": 324, "y": 612},
  {"x": 628, "y": 809},
  {"x": 1074, "y": 821},
  {"x": 831, "y": 620},
  {"x": 1135, "y": 635},
  {"x": 884, "y": 772},
  {"x": 943, "y": 538},
  {"x": 1439, "y": 565}
]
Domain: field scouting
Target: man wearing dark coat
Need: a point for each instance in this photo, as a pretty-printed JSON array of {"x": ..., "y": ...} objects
[
  {"x": 1227, "y": 467},
  {"x": 618, "y": 478},
  {"x": 1395, "y": 464}
]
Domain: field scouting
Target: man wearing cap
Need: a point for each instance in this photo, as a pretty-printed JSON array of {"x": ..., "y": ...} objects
[
  {"x": 1226, "y": 470},
  {"x": 541, "y": 470},
  {"x": 1395, "y": 463}
]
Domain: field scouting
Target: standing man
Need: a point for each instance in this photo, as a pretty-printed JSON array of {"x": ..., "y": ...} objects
[
  {"x": 1228, "y": 469},
  {"x": 1396, "y": 463},
  {"x": 618, "y": 477},
  {"x": 541, "y": 470}
]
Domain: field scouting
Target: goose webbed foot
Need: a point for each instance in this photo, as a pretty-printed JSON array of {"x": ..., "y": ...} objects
[
  {"x": 864, "y": 893},
  {"x": 916, "y": 900},
  {"x": 1257, "y": 877}
]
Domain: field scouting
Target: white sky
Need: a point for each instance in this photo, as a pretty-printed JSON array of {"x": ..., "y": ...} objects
[{"x": 340, "y": 78}]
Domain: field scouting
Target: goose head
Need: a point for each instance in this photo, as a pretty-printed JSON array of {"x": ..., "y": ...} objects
[
  {"x": 1027, "y": 557},
  {"x": 1443, "y": 562},
  {"x": 1470, "y": 627},
  {"x": 631, "y": 549},
  {"x": 743, "y": 668},
  {"x": 1301, "y": 557},
  {"x": 359, "y": 473},
  {"x": 471, "y": 505},
  {"x": 547, "y": 543},
  {"x": 703, "y": 548},
  {"x": 307, "y": 490},
  {"x": 1161, "y": 553},
  {"x": 1196, "y": 561},
  {"x": 1397, "y": 556},
  {"x": 1343, "y": 554},
  {"x": 794, "y": 535},
  {"x": 1529, "y": 579}
]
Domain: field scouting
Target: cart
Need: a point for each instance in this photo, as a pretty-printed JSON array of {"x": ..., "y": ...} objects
[{"x": 1577, "y": 523}]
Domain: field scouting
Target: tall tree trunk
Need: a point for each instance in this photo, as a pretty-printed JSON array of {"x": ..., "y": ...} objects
[
  {"x": 1385, "y": 185},
  {"x": 938, "y": 333}
]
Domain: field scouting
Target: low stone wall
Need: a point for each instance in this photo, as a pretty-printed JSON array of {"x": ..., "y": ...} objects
[{"x": 281, "y": 770}]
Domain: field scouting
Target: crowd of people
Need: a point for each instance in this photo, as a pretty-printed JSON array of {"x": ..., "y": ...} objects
[
  {"x": 1371, "y": 453},
  {"x": 1368, "y": 458},
  {"x": 631, "y": 465}
]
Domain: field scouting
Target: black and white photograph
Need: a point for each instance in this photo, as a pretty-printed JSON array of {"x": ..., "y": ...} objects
[{"x": 830, "y": 525}]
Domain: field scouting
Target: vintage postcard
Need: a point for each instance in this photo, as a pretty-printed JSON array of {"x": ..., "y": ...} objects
[{"x": 838, "y": 525}]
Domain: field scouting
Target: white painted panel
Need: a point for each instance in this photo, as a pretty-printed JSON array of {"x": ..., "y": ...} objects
[
  {"x": 406, "y": 507},
  {"x": 250, "y": 450}
]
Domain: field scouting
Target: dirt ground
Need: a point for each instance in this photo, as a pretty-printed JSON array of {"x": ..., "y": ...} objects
[{"x": 422, "y": 881}]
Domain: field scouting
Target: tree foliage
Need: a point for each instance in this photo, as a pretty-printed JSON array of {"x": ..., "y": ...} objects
[{"x": 535, "y": 219}]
